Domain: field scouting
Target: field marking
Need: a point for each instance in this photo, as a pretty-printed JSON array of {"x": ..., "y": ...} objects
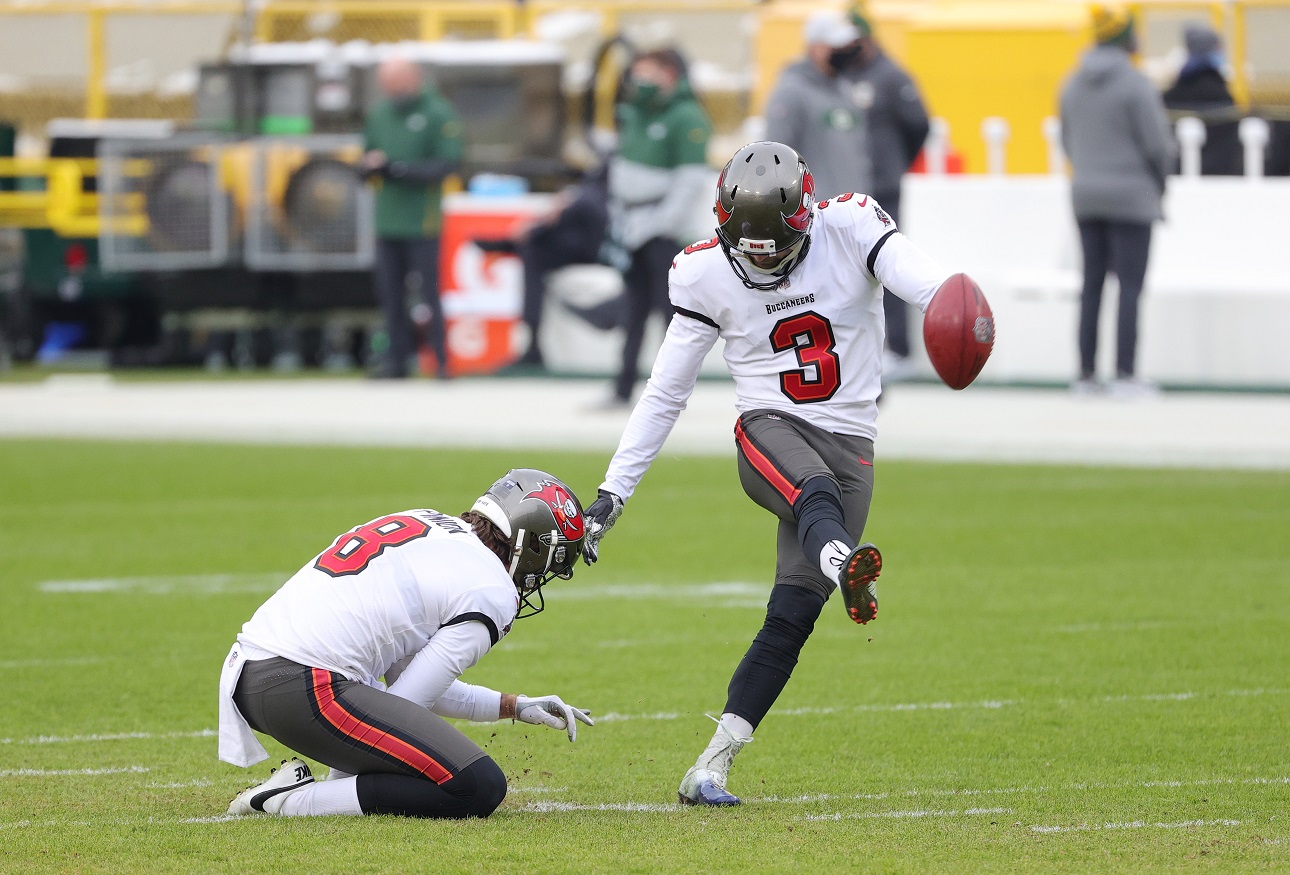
[
  {"x": 1133, "y": 824},
  {"x": 48, "y": 663},
  {"x": 901, "y": 815},
  {"x": 58, "y": 773},
  {"x": 618, "y": 717},
  {"x": 264, "y": 582},
  {"x": 985, "y": 704},
  {"x": 175, "y": 785},
  {"x": 168, "y": 584},
  {"x": 110, "y": 736},
  {"x": 653, "y": 807},
  {"x": 1039, "y": 790}
]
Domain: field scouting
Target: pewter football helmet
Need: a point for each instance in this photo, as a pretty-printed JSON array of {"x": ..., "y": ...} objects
[
  {"x": 542, "y": 518},
  {"x": 764, "y": 207}
]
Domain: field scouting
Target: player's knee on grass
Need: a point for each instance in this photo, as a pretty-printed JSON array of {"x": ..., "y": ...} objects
[
  {"x": 487, "y": 787},
  {"x": 474, "y": 791}
]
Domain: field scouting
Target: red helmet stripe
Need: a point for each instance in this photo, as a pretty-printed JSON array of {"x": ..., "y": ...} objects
[
  {"x": 801, "y": 220},
  {"x": 723, "y": 215}
]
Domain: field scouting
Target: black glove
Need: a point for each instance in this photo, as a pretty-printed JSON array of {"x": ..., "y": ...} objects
[{"x": 599, "y": 518}]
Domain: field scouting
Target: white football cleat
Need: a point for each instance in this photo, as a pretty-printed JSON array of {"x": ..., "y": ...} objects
[{"x": 268, "y": 796}]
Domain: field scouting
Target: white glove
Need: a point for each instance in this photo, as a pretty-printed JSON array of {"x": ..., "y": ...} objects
[{"x": 551, "y": 711}]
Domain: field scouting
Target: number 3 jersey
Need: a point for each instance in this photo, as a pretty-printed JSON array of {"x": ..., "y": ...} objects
[
  {"x": 812, "y": 346},
  {"x": 369, "y": 604}
]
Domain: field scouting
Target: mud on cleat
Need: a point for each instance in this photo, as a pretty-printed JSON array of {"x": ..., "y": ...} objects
[
  {"x": 269, "y": 795},
  {"x": 859, "y": 573},
  {"x": 704, "y": 787}
]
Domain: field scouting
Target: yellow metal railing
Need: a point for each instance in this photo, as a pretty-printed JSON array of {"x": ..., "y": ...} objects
[{"x": 60, "y": 202}]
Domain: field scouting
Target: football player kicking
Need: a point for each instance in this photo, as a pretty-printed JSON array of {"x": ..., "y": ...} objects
[
  {"x": 417, "y": 597},
  {"x": 795, "y": 289}
]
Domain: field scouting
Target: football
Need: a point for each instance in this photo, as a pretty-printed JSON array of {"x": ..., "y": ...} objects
[{"x": 958, "y": 331}]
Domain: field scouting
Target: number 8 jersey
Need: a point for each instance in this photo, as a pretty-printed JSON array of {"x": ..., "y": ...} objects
[{"x": 812, "y": 346}]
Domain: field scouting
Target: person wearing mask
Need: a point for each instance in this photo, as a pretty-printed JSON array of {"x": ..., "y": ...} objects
[
  {"x": 1116, "y": 135},
  {"x": 1201, "y": 90},
  {"x": 657, "y": 181},
  {"x": 898, "y": 126},
  {"x": 813, "y": 109},
  {"x": 412, "y": 140}
]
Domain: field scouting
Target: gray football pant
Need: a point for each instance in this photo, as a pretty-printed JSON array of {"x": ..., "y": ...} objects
[
  {"x": 778, "y": 452},
  {"x": 348, "y": 725}
]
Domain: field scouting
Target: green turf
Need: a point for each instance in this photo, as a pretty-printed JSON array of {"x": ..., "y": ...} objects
[{"x": 1075, "y": 670}]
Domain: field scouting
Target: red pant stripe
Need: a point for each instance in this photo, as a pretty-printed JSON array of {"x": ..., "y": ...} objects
[
  {"x": 765, "y": 467},
  {"x": 371, "y": 736}
]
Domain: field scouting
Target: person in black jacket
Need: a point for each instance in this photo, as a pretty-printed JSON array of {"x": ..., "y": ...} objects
[
  {"x": 1201, "y": 90},
  {"x": 571, "y": 232}
]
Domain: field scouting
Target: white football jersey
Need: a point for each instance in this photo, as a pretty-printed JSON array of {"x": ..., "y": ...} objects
[
  {"x": 380, "y": 592},
  {"x": 811, "y": 347}
]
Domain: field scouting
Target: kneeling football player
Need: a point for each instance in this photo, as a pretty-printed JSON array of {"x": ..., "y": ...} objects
[
  {"x": 416, "y": 597},
  {"x": 795, "y": 289}
]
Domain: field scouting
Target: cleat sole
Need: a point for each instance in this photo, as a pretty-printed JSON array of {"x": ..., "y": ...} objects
[{"x": 863, "y": 567}]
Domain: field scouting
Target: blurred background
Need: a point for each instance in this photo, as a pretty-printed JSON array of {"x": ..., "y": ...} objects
[{"x": 177, "y": 182}]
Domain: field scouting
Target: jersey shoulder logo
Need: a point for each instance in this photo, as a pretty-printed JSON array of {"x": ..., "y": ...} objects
[
  {"x": 699, "y": 247},
  {"x": 882, "y": 217},
  {"x": 843, "y": 198}
]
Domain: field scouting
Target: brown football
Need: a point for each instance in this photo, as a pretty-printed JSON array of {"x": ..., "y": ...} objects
[{"x": 958, "y": 331}]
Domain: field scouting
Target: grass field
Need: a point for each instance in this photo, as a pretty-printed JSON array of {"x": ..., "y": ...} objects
[{"x": 1075, "y": 670}]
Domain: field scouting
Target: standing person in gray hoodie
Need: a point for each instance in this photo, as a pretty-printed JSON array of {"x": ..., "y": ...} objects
[
  {"x": 898, "y": 126},
  {"x": 1116, "y": 134},
  {"x": 814, "y": 109}
]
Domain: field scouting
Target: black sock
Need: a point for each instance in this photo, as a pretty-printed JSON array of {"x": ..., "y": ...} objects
[{"x": 769, "y": 662}]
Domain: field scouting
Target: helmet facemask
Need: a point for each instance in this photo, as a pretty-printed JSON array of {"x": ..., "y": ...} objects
[
  {"x": 763, "y": 278},
  {"x": 555, "y": 553}
]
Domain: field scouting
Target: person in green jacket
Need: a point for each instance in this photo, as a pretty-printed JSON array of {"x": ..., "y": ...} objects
[
  {"x": 413, "y": 140},
  {"x": 658, "y": 183}
]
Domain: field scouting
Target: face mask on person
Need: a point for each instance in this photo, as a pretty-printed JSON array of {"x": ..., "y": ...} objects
[
  {"x": 647, "y": 93},
  {"x": 840, "y": 59}
]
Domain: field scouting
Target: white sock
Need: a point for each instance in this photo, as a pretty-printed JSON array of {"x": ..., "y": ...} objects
[
  {"x": 832, "y": 558},
  {"x": 320, "y": 798},
  {"x": 736, "y": 725}
]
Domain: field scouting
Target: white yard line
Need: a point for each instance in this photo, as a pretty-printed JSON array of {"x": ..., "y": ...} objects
[
  {"x": 617, "y": 717},
  {"x": 58, "y": 773},
  {"x": 185, "y": 584},
  {"x": 109, "y": 736},
  {"x": 1039, "y": 790},
  {"x": 1133, "y": 824},
  {"x": 544, "y": 807},
  {"x": 736, "y": 592},
  {"x": 901, "y": 815}
]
